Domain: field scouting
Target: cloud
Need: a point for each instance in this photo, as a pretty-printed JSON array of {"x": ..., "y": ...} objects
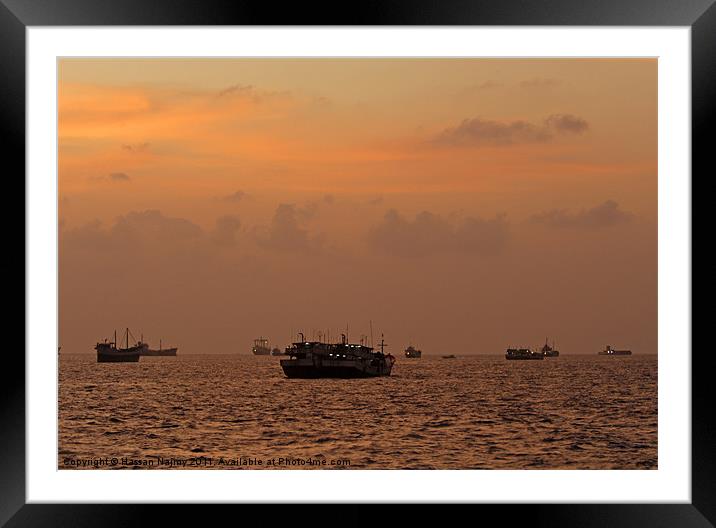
[
  {"x": 224, "y": 234},
  {"x": 235, "y": 197},
  {"x": 90, "y": 236},
  {"x": 134, "y": 232},
  {"x": 249, "y": 92},
  {"x": 237, "y": 89},
  {"x": 481, "y": 132},
  {"x": 486, "y": 85},
  {"x": 429, "y": 234},
  {"x": 287, "y": 232},
  {"x": 137, "y": 147},
  {"x": 321, "y": 101},
  {"x": 567, "y": 123},
  {"x": 152, "y": 224},
  {"x": 119, "y": 177},
  {"x": 539, "y": 82},
  {"x": 603, "y": 215}
]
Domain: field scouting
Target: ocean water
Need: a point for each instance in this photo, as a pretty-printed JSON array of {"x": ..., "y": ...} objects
[{"x": 473, "y": 412}]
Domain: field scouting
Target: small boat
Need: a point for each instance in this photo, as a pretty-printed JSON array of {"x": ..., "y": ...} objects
[
  {"x": 450, "y": 356},
  {"x": 609, "y": 351},
  {"x": 277, "y": 352},
  {"x": 160, "y": 352},
  {"x": 549, "y": 351},
  {"x": 317, "y": 359},
  {"x": 108, "y": 352},
  {"x": 411, "y": 352},
  {"x": 522, "y": 353},
  {"x": 261, "y": 347}
]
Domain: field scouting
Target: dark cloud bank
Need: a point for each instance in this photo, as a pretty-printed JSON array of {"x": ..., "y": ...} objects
[
  {"x": 429, "y": 234},
  {"x": 481, "y": 132},
  {"x": 149, "y": 232},
  {"x": 287, "y": 231},
  {"x": 603, "y": 215}
]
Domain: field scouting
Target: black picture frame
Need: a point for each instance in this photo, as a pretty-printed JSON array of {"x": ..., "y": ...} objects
[{"x": 17, "y": 15}]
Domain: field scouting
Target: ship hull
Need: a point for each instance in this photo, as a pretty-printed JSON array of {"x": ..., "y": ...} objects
[
  {"x": 551, "y": 354},
  {"x": 308, "y": 369},
  {"x": 414, "y": 355},
  {"x": 525, "y": 358},
  {"x": 119, "y": 356},
  {"x": 616, "y": 353},
  {"x": 163, "y": 352},
  {"x": 260, "y": 352}
]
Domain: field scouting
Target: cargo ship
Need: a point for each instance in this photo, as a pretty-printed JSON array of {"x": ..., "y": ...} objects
[
  {"x": 522, "y": 353},
  {"x": 317, "y": 359},
  {"x": 549, "y": 351},
  {"x": 261, "y": 347},
  {"x": 172, "y": 351},
  {"x": 108, "y": 352},
  {"x": 411, "y": 352},
  {"x": 609, "y": 351}
]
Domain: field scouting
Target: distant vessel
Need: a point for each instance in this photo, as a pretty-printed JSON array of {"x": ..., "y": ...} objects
[
  {"x": 159, "y": 352},
  {"x": 450, "y": 356},
  {"x": 107, "y": 352},
  {"x": 277, "y": 352},
  {"x": 549, "y": 351},
  {"x": 411, "y": 352},
  {"x": 609, "y": 351},
  {"x": 522, "y": 353},
  {"x": 316, "y": 359},
  {"x": 261, "y": 347}
]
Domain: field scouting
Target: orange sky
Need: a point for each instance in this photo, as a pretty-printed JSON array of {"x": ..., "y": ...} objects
[{"x": 461, "y": 204}]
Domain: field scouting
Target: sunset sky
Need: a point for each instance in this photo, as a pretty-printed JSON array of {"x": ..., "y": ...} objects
[{"x": 462, "y": 205}]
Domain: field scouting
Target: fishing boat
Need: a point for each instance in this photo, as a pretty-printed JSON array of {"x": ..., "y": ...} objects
[
  {"x": 450, "y": 356},
  {"x": 172, "y": 351},
  {"x": 411, "y": 352},
  {"x": 318, "y": 359},
  {"x": 522, "y": 353},
  {"x": 609, "y": 351},
  {"x": 261, "y": 347},
  {"x": 108, "y": 352}
]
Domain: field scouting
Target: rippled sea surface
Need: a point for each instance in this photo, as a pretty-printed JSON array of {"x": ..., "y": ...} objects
[{"x": 473, "y": 412}]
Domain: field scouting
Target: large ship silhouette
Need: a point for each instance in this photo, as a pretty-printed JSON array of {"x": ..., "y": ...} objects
[
  {"x": 108, "y": 352},
  {"x": 522, "y": 353},
  {"x": 317, "y": 359}
]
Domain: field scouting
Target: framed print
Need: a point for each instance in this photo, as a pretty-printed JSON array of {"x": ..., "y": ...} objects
[{"x": 421, "y": 254}]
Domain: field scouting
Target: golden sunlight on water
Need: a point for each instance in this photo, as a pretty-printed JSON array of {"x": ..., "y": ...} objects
[{"x": 477, "y": 412}]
